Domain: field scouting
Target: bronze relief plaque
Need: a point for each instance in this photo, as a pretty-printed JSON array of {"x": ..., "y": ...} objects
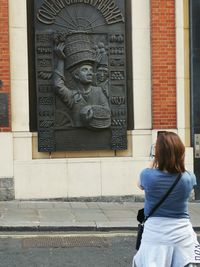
[{"x": 80, "y": 50}]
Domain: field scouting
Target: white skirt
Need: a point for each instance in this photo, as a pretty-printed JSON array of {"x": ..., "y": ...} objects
[{"x": 167, "y": 242}]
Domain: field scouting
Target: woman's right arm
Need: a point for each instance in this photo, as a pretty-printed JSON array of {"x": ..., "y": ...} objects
[{"x": 59, "y": 79}]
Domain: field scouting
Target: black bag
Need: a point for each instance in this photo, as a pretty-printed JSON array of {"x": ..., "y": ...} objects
[
  {"x": 139, "y": 235},
  {"x": 141, "y": 220},
  {"x": 141, "y": 217}
]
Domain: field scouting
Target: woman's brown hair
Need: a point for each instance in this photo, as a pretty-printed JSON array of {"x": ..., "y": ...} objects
[{"x": 169, "y": 153}]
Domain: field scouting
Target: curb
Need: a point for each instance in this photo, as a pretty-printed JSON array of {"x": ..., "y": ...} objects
[
  {"x": 64, "y": 228},
  {"x": 71, "y": 228}
]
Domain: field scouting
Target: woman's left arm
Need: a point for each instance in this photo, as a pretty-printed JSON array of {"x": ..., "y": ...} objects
[{"x": 139, "y": 184}]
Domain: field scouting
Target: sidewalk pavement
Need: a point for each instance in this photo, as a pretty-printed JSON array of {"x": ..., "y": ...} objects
[{"x": 76, "y": 216}]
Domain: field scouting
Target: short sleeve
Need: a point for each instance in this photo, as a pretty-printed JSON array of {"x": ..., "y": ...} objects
[
  {"x": 194, "y": 179},
  {"x": 141, "y": 178}
]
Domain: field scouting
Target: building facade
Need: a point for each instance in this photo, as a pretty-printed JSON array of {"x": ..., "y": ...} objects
[{"x": 159, "y": 58}]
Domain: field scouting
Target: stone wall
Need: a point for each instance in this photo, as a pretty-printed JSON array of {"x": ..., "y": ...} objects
[{"x": 7, "y": 191}]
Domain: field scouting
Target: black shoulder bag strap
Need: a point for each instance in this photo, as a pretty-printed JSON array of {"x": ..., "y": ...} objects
[{"x": 164, "y": 197}]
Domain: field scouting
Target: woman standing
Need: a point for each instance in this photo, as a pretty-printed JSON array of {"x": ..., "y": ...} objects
[{"x": 168, "y": 239}]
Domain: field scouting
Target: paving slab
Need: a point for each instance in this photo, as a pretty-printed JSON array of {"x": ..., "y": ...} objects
[{"x": 71, "y": 216}]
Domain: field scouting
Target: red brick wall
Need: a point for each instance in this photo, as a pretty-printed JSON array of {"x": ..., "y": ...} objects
[
  {"x": 163, "y": 63},
  {"x": 4, "y": 56}
]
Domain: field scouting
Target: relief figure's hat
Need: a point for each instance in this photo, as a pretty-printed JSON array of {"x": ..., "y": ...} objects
[{"x": 78, "y": 49}]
